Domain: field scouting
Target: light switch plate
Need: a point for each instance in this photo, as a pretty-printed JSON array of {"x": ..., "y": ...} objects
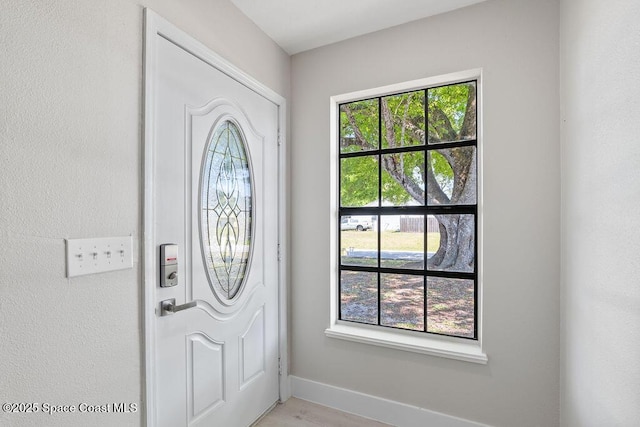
[{"x": 90, "y": 256}]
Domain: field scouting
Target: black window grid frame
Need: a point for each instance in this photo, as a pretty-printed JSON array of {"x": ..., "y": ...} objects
[{"x": 424, "y": 210}]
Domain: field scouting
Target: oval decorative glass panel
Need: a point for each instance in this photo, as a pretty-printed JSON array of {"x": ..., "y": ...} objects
[{"x": 226, "y": 217}]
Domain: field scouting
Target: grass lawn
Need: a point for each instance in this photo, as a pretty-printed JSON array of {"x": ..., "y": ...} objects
[{"x": 391, "y": 241}]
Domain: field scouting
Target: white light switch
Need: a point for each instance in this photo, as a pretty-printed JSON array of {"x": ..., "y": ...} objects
[{"x": 89, "y": 256}]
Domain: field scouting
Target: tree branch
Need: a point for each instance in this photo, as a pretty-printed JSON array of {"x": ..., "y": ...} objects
[
  {"x": 460, "y": 160},
  {"x": 434, "y": 192},
  {"x": 469, "y": 123},
  {"x": 388, "y": 123},
  {"x": 441, "y": 129},
  {"x": 360, "y": 139},
  {"x": 415, "y": 130},
  {"x": 390, "y": 164}
]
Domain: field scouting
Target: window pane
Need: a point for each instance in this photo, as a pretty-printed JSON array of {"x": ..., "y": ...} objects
[
  {"x": 402, "y": 301},
  {"x": 452, "y": 176},
  {"x": 450, "y": 306},
  {"x": 359, "y": 296},
  {"x": 226, "y": 218},
  {"x": 452, "y": 113},
  {"x": 359, "y": 181},
  {"x": 402, "y": 179},
  {"x": 433, "y": 236},
  {"x": 359, "y": 129},
  {"x": 358, "y": 241},
  {"x": 403, "y": 120},
  {"x": 402, "y": 241},
  {"x": 455, "y": 244}
]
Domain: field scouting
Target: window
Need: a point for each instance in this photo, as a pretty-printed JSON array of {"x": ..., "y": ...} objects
[
  {"x": 408, "y": 210},
  {"x": 226, "y": 217}
]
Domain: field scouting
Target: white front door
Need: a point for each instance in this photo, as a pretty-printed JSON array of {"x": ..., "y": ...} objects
[{"x": 214, "y": 193}]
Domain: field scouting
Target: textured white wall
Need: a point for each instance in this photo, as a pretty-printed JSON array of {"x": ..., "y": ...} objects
[
  {"x": 516, "y": 43},
  {"x": 71, "y": 166},
  {"x": 600, "y": 66}
]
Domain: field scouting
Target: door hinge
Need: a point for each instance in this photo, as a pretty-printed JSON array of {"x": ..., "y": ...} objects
[
  {"x": 278, "y": 251},
  {"x": 279, "y": 366},
  {"x": 279, "y": 139}
]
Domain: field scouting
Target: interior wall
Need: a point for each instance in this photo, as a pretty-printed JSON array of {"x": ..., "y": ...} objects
[
  {"x": 516, "y": 44},
  {"x": 71, "y": 166},
  {"x": 600, "y": 65}
]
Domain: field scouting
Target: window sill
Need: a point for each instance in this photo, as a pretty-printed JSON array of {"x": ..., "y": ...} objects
[{"x": 468, "y": 351}]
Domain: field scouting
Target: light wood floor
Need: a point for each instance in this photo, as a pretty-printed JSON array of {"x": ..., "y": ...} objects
[{"x": 300, "y": 413}]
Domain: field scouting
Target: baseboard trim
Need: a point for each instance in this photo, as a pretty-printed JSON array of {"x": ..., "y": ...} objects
[{"x": 372, "y": 407}]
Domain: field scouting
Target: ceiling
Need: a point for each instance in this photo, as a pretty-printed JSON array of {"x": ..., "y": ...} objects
[{"x": 299, "y": 25}]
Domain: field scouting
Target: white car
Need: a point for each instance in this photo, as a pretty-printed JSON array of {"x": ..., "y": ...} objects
[{"x": 355, "y": 223}]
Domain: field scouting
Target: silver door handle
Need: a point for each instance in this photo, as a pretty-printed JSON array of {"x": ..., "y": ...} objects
[{"x": 169, "y": 306}]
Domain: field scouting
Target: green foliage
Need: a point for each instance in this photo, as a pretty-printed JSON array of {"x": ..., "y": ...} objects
[
  {"x": 365, "y": 115},
  {"x": 408, "y": 118},
  {"x": 403, "y": 175},
  {"x": 359, "y": 181},
  {"x": 447, "y": 106}
]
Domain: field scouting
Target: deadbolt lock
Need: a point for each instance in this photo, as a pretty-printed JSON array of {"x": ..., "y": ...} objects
[{"x": 168, "y": 265}]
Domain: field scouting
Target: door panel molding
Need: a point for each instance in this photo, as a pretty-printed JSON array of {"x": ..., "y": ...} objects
[
  {"x": 156, "y": 27},
  {"x": 205, "y": 360},
  {"x": 252, "y": 349}
]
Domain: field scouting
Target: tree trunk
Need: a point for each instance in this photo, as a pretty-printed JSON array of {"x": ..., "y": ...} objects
[
  {"x": 457, "y": 232},
  {"x": 457, "y": 244}
]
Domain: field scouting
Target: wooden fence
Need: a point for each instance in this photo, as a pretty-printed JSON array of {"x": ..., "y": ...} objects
[{"x": 416, "y": 225}]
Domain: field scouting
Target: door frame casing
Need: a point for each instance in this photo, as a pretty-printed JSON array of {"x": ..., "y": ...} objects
[{"x": 156, "y": 26}]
